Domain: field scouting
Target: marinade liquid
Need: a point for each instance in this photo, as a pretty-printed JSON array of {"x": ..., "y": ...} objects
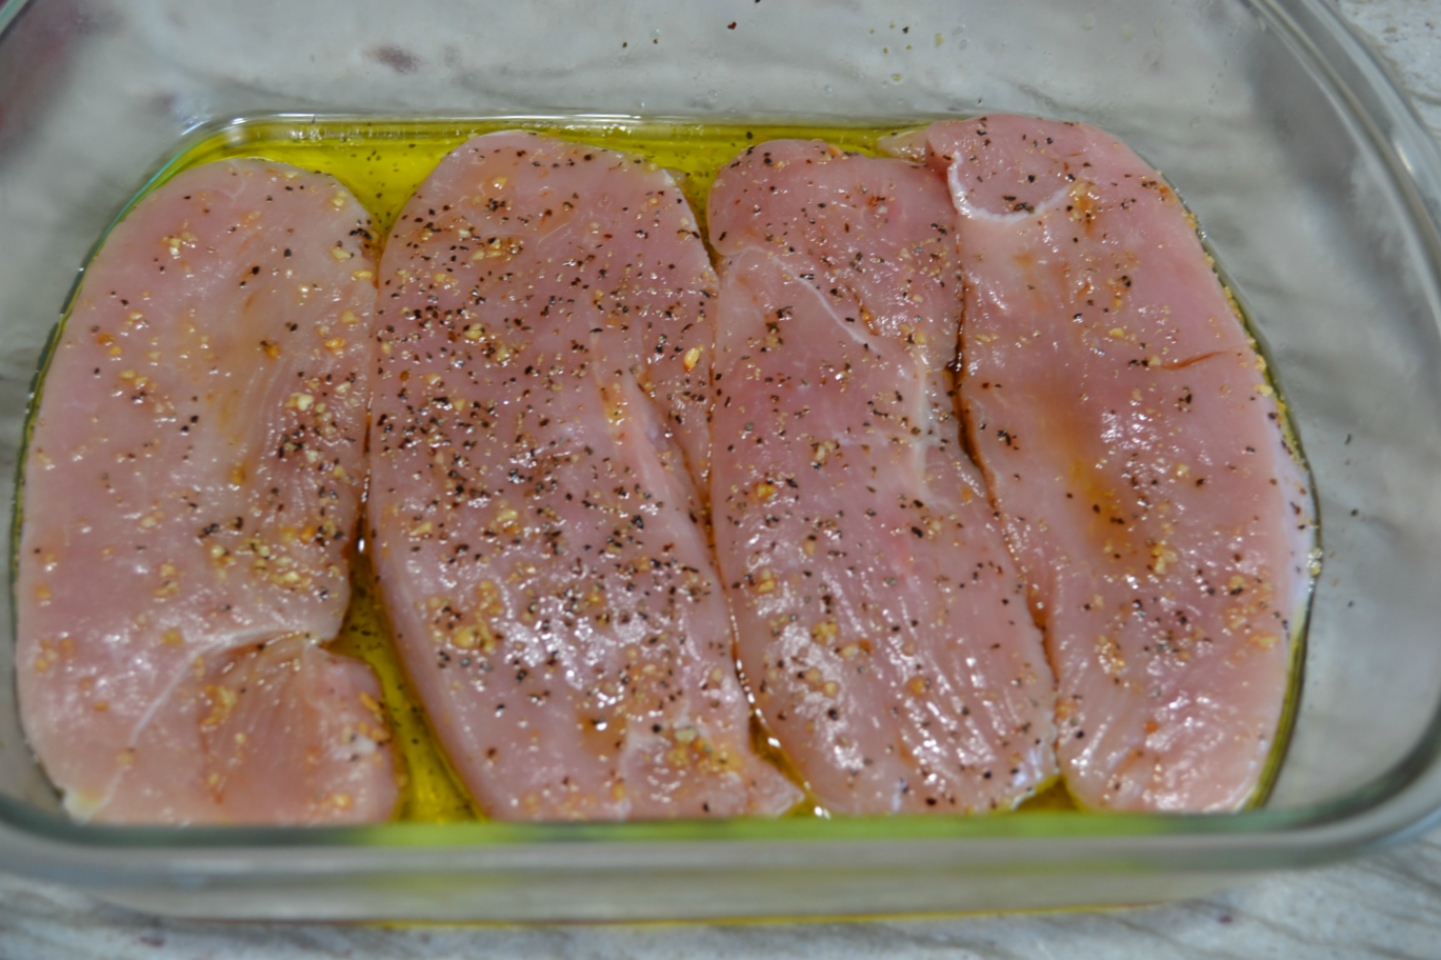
[{"x": 382, "y": 162}]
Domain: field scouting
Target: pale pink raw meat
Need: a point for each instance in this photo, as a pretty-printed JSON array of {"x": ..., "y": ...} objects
[
  {"x": 1135, "y": 449},
  {"x": 545, "y": 339},
  {"x": 191, "y": 494},
  {"x": 883, "y": 627}
]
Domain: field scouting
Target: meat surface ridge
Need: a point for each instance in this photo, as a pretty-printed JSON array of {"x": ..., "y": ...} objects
[
  {"x": 190, "y": 501},
  {"x": 1137, "y": 453},
  {"x": 883, "y": 627},
  {"x": 544, "y": 349}
]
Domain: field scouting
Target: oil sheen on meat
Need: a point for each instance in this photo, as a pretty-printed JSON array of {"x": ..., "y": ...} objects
[
  {"x": 190, "y": 503},
  {"x": 883, "y": 627},
  {"x": 546, "y": 320},
  {"x": 1136, "y": 451}
]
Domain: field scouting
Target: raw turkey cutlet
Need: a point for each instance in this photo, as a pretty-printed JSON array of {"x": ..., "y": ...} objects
[
  {"x": 545, "y": 336},
  {"x": 1136, "y": 452},
  {"x": 190, "y": 502},
  {"x": 882, "y": 624}
]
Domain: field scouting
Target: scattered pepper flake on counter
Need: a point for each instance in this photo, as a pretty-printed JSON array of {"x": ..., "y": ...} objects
[{"x": 190, "y": 505}]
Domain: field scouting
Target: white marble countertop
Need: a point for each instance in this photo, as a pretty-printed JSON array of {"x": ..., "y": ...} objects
[{"x": 1386, "y": 906}]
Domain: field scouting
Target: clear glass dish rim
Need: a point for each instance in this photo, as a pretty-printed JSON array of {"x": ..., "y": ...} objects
[{"x": 1400, "y": 803}]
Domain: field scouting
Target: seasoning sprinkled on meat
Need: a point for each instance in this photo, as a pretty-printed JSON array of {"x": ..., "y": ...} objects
[
  {"x": 544, "y": 351},
  {"x": 883, "y": 627},
  {"x": 1135, "y": 449},
  {"x": 190, "y": 506}
]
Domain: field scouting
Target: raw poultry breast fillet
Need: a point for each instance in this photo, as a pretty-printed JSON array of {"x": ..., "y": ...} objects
[
  {"x": 1136, "y": 451},
  {"x": 883, "y": 627},
  {"x": 547, "y": 315},
  {"x": 190, "y": 501}
]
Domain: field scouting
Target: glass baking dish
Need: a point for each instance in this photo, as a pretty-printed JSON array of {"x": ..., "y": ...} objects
[{"x": 1318, "y": 192}]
